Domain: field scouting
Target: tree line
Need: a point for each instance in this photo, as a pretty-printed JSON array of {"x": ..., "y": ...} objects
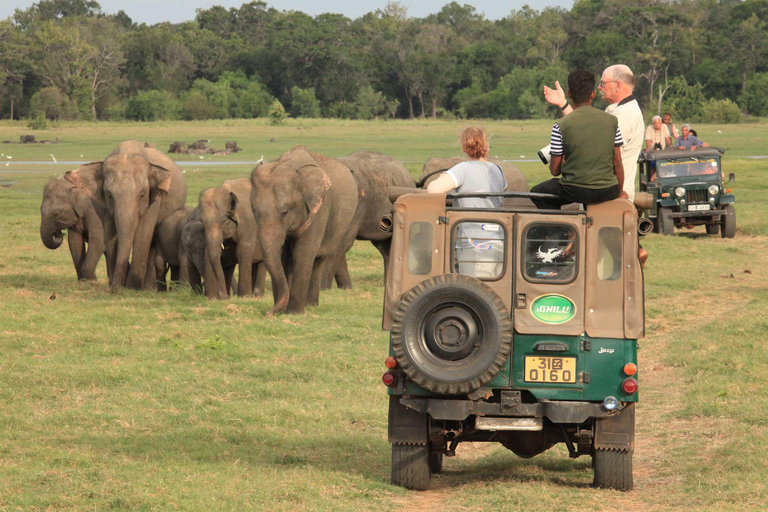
[{"x": 66, "y": 59}]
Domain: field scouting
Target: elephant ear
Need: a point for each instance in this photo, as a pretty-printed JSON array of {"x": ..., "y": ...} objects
[
  {"x": 80, "y": 201},
  {"x": 88, "y": 179},
  {"x": 233, "y": 202},
  {"x": 160, "y": 174},
  {"x": 315, "y": 185}
]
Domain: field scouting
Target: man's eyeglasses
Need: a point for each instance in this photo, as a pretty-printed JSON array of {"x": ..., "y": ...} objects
[{"x": 602, "y": 83}]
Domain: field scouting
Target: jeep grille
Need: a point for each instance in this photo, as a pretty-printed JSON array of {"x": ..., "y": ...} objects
[{"x": 696, "y": 196}]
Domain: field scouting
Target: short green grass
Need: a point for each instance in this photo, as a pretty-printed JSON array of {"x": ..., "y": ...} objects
[{"x": 171, "y": 401}]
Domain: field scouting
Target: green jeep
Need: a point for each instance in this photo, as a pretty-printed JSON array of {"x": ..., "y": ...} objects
[
  {"x": 688, "y": 190},
  {"x": 512, "y": 325}
]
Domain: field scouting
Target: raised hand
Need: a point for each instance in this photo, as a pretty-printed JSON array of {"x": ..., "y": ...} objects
[{"x": 554, "y": 96}]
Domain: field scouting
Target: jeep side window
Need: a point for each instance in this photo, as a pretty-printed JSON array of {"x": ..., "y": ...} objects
[
  {"x": 550, "y": 253},
  {"x": 609, "y": 254},
  {"x": 420, "y": 248},
  {"x": 478, "y": 249}
]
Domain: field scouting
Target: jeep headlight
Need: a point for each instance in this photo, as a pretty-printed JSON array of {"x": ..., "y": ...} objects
[
  {"x": 713, "y": 190},
  {"x": 679, "y": 191}
]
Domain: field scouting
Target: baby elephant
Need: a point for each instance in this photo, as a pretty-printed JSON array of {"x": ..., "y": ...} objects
[{"x": 67, "y": 206}]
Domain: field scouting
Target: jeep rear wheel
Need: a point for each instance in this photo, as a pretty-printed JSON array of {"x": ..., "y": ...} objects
[
  {"x": 613, "y": 469},
  {"x": 728, "y": 222},
  {"x": 411, "y": 466},
  {"x": 665, "y": 221},
  {"x": 451, "y": 334}
]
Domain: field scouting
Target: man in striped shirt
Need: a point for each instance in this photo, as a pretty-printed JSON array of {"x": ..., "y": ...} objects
[{"x": 585, "y": 152}]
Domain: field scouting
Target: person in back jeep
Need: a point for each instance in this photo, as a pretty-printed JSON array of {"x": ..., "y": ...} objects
[{"x": 585, "y": 153}]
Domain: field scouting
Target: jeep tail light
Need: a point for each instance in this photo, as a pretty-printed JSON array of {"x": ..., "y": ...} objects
[
  {"x": 630, "y": 369},
  {"x": 629, "y": 386},
  {"x": 389, "y": 379},
  {"x": 390, "y": 362}
]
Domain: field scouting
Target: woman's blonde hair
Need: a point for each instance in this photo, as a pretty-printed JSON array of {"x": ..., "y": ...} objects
[{"x": 474, "y": 142}]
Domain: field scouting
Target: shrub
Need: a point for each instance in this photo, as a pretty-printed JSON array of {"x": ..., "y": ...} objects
[
  {"x": 197, "y": 107},
  {"x": 37, "y": 122},
  {"x": 341, "y": 110},
  {"x": 277, "y": 114},
  {"x": 48, "y": 102},
  {"x": 254, "y": 101},
  {"x": 369, "y": 103},
  {"x": 721, "y": 111},
  {"x": 116, "y": 110},
  {"x": 152, "y": 106},
  {"x": 685, "y": 100},
  {"x": 305, "y": 104}
]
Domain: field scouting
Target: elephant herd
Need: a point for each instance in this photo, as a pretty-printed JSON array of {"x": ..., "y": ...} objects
[{"x": 295, "y": 218}]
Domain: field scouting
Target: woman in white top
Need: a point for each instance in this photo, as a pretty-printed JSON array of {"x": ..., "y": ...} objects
[{"x": 479, "y": 246}]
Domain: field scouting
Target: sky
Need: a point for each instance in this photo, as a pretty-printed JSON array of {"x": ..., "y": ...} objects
[{"x": 176, "y": 11}]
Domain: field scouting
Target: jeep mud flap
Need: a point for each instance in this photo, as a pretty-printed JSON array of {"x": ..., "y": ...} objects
[
  {"x": 556, "y": 412},
  {"x": 616, "y": 432}
]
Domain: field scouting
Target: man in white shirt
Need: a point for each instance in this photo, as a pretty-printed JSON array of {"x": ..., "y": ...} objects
[{"x": 616, "y": 85}]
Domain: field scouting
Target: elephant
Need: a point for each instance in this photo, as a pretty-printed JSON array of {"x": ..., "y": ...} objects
[
  {"x": 142, "y": 187},
  {"x": 177, "y": 147},
  {"x": 516, "y": 180},
  {"x": 227, "y": 217},
  {"x": 232, "y": 146},
  {"x": 74, "y": 203},
  {"x": 303, "y": 205},
  {"x": 193, "y": 257},
  {"x": 374, "y": 174},
  {"x": 168, "y": 246},
  {"x": 200, "y": 144}
]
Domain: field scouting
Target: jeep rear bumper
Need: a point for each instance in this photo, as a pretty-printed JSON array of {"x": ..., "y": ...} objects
[{"x": 510, "y": 406}]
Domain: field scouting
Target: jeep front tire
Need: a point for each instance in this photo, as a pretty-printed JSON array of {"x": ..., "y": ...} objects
[{"x": 666, "y": 222}]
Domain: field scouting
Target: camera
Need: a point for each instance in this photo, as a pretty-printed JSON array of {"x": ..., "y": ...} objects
[{"x": 544, "y": 154}]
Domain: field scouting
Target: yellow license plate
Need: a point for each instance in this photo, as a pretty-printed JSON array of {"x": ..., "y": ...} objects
[{"x": 550, "y": 369}]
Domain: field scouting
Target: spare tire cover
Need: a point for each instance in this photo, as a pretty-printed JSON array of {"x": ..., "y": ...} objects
[{"x": 451, "y": 334}]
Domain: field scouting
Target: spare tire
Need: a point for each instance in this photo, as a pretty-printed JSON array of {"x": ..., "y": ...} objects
[{"x": 451, "y": 334}]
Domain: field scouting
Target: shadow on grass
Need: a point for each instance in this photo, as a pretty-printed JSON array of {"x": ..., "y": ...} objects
[
  {"x": 693, "y": 235},
  {"x": 509, "y": 468},
  {"x": 35, "y": 281}
]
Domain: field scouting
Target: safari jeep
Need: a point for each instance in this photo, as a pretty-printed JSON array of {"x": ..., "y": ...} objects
[
  {"x": 688, "y": 190},
  {"x": 515, "y": 326}
]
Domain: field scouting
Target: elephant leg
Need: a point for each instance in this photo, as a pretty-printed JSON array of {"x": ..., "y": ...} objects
[
  {"x": 110, "y": 247},
  {"x": 185, "y": 274},
  {"x": 383, "y": 247},
  {"x": 343, "y": 279},
  {"x": 305, "y": 266},
  {"x": 209, "y": 280},
  {"x": 287, "y": 263},
  {"x": 161, "y": 270},
  {"x": 313, "y": 293},
  {"x": 334, "y": 262},
  {"x": 230, "y": 281},
  {"x": 95, "y": 249},
  {"x": 174, "y": 274},
  {"x": 142, "y": 242},
  {"x": 259, "y": 273},
  {"x": 150, "y": 281},
  {"x": 244, "y": 263},
  {"x": 77, "y": 250}
]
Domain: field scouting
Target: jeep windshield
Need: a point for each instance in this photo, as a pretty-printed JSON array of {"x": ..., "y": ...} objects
[{"x": 688, "y": 166}]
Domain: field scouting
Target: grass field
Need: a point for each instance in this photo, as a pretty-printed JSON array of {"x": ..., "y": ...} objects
[{"x": 170, "y": 401}]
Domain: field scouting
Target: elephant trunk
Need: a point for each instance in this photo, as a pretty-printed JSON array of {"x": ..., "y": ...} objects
[
  {"x": 272, "y": 247},
  {"x": 50, "y": 234},
  {"x": 126, "y": 224},
  {"x": 213, "y": 245}
]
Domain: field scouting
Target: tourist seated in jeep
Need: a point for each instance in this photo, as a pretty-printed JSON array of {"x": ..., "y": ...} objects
[
  {"x": 687, "y": 140},
  {"x": 657, "y": 135},
  {"x": 585, "y": 152}
]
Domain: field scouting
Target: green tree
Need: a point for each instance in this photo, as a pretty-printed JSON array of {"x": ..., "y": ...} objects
[
  {"x": 152, "y": 106},
  {"x": 369, "y": 103},
  {"x": 304, "y": 103},
  {"x": 277, "y": 114}
]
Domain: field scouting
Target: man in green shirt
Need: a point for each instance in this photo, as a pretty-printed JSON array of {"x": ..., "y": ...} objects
[{"x": 585, "y": 152}]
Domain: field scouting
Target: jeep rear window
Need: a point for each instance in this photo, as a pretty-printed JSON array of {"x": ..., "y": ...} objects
[
  {"x": 478, "y": 249},
  {"x": 549, "y": 254},
  {"x": 609, "y": 254},
  {"x": 420, "y": 248}
]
